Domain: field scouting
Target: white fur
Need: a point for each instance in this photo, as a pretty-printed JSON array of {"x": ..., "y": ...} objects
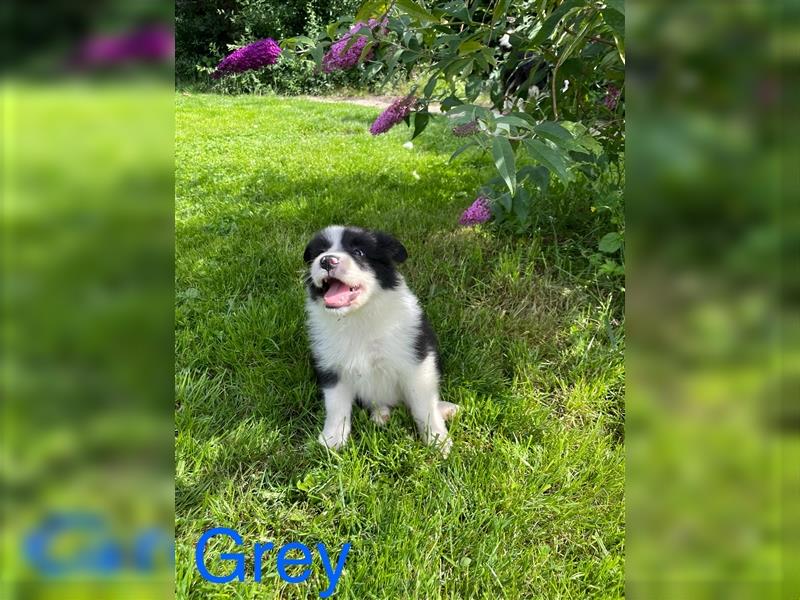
[{"x": 370, "y": 346}]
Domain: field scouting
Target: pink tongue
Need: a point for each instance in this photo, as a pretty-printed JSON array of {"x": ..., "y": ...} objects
[{"x": 338, "y": 294}]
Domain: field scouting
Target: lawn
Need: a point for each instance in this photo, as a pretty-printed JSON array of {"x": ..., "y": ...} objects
[{"x": 530, "y": 502}]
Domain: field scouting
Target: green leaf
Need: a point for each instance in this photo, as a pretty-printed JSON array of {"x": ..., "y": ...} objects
[
  {"x": 420, "y": 123},
  {"x": 573, "y": 45},
  {"x": 373, "y": 69},
  {"x": 610, "y": 242},
  {"x": 367, "y": 47},
  {"x": 539, "y": 175},
  {"x": 316, "y": 54},
  {"x": 469, "y": 46},
  {"x": 543, "y": 154},
  {"x": 473, "y": 88},
  {"x": 457, "y": 8},
  {"x": 591, "y": 145},
  {"x": 500, "y": 10},
  {"x": 557, "y": 134},
  {"x": 515, "y": 121},
  {"x": 506, "y": 201},
  {"x": 430, "y": 86},
  {"x": 450, "y": 102},
  {"x": 461, "y": 149},
  {"x": 415, "y": 10},
  {"x": 617, "y": 5},
  {"x": 455, "y": 67},
  {"x": 391, "y": 64},
  {"x": 620, "y": 42},
  {"x": 550, "y": 23},
  {"x": 503, "y": 155},
  {"x": 331, "y": 30},
  {"x": 299, "y": 39},
  {"x": 522, "y": 204},
  {"x": 371, "y": 8},
  {"x": 410, "y": 56},
  {"x": 307, "y": 483},
  {"x": 553, "y": 131},
  {"x": 615, "y": 21}
]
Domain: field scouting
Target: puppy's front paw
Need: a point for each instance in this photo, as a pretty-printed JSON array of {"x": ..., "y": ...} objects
[
  {"x": 380, "y": 415},
  {"x": 445, "y": 446},
  {"x": 333, "y": 440},
  {"x": 443, "y": 442}
]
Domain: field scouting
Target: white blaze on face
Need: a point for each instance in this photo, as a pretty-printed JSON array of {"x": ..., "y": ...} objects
[{"x": 346, "y": 286}]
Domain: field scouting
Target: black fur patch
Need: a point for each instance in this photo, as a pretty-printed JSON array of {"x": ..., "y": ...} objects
[
  {"x": 426, "y": 343},
  {"x": 377, "y": 251},
  {"x": 314, "y": 292},
  {"x": 326, "y": 379},
  {"x": 318, "y": 244}
]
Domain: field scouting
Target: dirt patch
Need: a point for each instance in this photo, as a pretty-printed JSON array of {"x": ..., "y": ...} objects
[{"x": 372, "y": 101}]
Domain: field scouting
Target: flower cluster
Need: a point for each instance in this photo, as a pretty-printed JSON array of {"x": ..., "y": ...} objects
[
  {"x": 343, "y": 54},
  {"x": 396, "y": 112},
  {"x": 253, "y": 56},
  {"x": 149, "y": 44},
  {"x": 612, "y": 97},
  {"x": 466, "y": 129},
  {"x": 478, "y": 212}
]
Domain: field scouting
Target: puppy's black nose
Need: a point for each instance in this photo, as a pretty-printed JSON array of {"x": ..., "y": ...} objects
[{"x": 328, "y": 262}]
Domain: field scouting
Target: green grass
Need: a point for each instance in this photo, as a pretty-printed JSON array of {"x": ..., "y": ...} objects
[{"x": 530, "y": 502}]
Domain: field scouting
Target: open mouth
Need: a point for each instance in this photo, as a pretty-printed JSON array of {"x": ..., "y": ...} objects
[{"x": 337, "y": 294}]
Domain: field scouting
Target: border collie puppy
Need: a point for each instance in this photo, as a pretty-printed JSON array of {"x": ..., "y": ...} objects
[{"x": 370, "y": 340}]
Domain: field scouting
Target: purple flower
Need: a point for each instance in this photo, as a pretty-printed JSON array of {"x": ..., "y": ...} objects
[
  {"x": 478, "y": 212},
  {"x": 466, "y": 129},
  {"x": 340, "y": 57},
  {"x": 253, "y": 56},
  {"x": 612, "y": 97},
  {"x": 150, "y": 44},
  {"x": 397, "y": 111}
]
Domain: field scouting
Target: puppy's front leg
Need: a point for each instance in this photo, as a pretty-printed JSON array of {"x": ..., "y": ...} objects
[{"x": 338, "y": 408}]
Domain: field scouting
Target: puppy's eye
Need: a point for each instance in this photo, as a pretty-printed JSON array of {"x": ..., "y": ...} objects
[{"x": 358, "y": 252}]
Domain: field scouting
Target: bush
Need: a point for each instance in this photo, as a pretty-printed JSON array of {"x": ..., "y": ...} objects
[
  {"x": 207, "y": 31},
  {"x": 290, "y": 76},
  {"x": 537, "y": 87}
]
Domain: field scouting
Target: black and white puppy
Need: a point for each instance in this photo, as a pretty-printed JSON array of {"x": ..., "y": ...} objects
[{"x": 370, "y": 340}]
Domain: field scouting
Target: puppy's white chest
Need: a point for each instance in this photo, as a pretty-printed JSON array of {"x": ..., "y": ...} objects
[
  {"x": 373, "y": 375},
  {"x": 368, "y": 358}
]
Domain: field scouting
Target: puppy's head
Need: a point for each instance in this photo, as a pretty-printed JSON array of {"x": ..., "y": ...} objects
[{"x": 348, "y": 265}]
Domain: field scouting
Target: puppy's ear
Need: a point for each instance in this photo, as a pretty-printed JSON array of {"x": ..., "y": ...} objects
[{"x": 397, "y": 252}]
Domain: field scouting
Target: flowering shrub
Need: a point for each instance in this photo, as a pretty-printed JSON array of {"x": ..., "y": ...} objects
[
  {"x": 465, "y": 130},
  {"x": 553, "y": 74},
  {"x": 346, "y": 53},
  {"x": 253, "y": 56},
  {"x": 612, "y": 97},
  {"x": 477, "y": 213},
  {"x": 396, "y": 112},
  {"x": 153, "y": 43}
]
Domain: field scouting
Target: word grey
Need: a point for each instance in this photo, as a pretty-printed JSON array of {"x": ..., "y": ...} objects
[{"x": 282, "y": 560}]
